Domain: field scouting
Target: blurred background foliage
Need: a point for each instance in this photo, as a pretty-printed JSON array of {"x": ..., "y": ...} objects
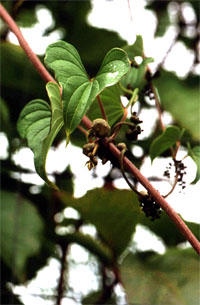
[{"x": 30, "y": 231}]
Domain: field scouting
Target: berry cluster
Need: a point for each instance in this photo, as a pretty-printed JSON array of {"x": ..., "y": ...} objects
[
  {"x": 149, "y": 206},
  {"x": 179, "y": 170},
  {"x": 134, "y": 129}
]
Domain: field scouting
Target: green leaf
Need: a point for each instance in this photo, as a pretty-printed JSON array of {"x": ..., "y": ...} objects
[
  {"x": 39, "y": 125},
  {"x": 181, "y": 98},
  {"x": 163, "y": 23},
  {"x": 135, "y": 49},
  {"x": 167, "y": 139},
  {"x": 114, "y": 213},
  {"x": 78, "y": 89},
  {"x": 172, "y": 278},
  {"x": 194, "y": 153},
  {"x": 110, "y": 98},
  {"x": 136, "y": 76},
  {"x": 21, "y": 232}
]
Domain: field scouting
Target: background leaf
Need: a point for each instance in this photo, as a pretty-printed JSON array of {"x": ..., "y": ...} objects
[
  {"x": 21, "y": 232},
  {"x": 135, "y": 49},
  {"x": 167, "y": 139},
  {"x": 181, "y": 99},
  {"x": 194, "y": 153},
  {"x": 172, "y": 278},
  {"x": 78, "y": 90},
  {"x": 115, "y": 220}
]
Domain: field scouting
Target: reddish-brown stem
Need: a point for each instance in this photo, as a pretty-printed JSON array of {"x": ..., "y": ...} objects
[
  {"x": 173, "y": 187},
  {"x": 23, "y": 43},
  {"x": 113, "y": 149},
  {"x": 129, "y": 8},
  {"x": 119, "y": 124},
  {"x": 178, "y": 144},
  {"x": 82, "y": 130},
  {"x": 102, "y": 108}
]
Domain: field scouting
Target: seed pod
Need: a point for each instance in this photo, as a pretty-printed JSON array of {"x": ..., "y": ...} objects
[
  {"x": 88, "y": 148},
  {"x": 100, "y": 128}
]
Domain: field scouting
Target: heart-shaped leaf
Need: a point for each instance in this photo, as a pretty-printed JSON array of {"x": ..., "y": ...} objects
[
  {"x": 110, "y": 98},
  {"x": 78, "y": 89},
  {"x": 167, "y": 139},
  {"x": 39, "y": 124}
]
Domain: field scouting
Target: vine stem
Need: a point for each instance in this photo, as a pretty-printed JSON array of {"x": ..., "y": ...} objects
[
  {"x": 157, "y": 101},
  {"x": 102, "y": 108},
  {"x": 113, "y": 149},
  {"x": 116, "y": 130},
  {"x": 23, "y": 43}
]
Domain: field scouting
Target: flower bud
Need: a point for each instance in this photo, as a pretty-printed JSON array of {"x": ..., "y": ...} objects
[{"x": 100, "y": 128}]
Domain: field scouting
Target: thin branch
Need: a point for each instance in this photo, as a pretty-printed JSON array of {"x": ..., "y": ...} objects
[
  {"x": 23, "y": 43},
  {"x": 102, "y": 108},
  {"x": 123, "y": 173},
  {"x": 173, "y": 186},
  {"x": 127, "y": 163},
  {"x": 61, "y": 284},
  {"x": 129, "y": 8},
  {"x": 157, "y": 101},
  {"x": 117, "y": 128}
]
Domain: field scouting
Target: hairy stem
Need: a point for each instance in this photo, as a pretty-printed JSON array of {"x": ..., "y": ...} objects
[{"x": 113, "y": 149}]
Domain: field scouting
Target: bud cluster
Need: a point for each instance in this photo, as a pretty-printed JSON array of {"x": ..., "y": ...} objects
[{"x": 134, "y": 130}]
